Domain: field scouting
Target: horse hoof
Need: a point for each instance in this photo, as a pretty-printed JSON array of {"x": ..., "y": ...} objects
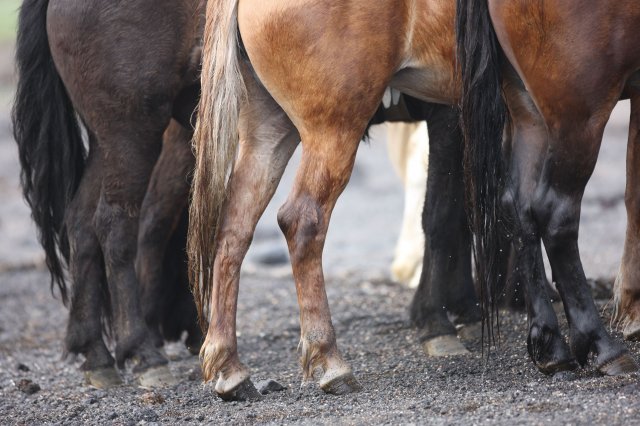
[
  {"x": 557, "y": 368},
  {"x": 244, "y": 391},
  {"x": 446, "y": 345},
  {"x": 632, "y": 331},
  {"x": 157, "y": 377},
  {"x": 103, "y": 378},
  {"x": 341, "y": 385},
  {"x": 471, "y": 331},
  {"x": 623, "y": 364}
]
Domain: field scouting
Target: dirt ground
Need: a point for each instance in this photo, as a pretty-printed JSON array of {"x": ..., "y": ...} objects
[{"x": 400, "y": 385}]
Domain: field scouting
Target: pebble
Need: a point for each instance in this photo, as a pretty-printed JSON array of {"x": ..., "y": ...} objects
[
  {"x": 28, "y": 387},
  {"x": 268, "y": 386}
]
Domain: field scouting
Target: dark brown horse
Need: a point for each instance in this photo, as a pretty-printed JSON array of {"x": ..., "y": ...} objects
[
  {"x": 556, "y": 69},
  {"x": 121, "y": 73}
]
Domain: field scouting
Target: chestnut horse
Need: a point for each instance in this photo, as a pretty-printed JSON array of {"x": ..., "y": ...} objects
[
  {"x": 289, "y": 81},
  {"x": 556, "y": 70}
]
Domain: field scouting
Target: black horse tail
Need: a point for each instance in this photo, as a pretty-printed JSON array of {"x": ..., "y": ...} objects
[
  {"x": 484, "y": 116},
  {"x": 47, "y": 131}
]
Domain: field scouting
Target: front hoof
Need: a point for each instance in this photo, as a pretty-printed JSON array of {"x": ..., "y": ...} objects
[
  {"x": 341, "y": 385},
  {"x": 621, "y": 365},
  {"x": 244, "y": 391},
  {"x": 103, "y": 378},
  {"x": 156, "y": 377},
  {"x": 447, "y": 345}
]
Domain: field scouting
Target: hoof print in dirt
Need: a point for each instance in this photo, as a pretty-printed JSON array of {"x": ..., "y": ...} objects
[
  {"x": 266, "y": 387},
  {"x": 27, "y": 386},
  {"x": 245, "y": 391}
]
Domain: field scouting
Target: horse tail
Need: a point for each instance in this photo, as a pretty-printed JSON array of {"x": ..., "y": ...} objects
[
  {"x": 50, "y": 145},
  {"x": 484, "y": 116},
  {"x": 215, "y": 142}
]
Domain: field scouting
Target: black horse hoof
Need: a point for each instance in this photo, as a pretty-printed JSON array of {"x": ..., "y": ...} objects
[
  {"x": 621, "y": 365},
  {"x": 103, "y": 378}
]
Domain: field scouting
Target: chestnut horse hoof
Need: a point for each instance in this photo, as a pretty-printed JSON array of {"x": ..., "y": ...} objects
[
  {"x": 446, "y": 345},
  {"x": 624, "y": 364},
  {"x": 341, "y": 385},
  {"x": 103, "y": 378},
  {"x": 157, "y": 377},
  {"x": 245, "y": 391}
]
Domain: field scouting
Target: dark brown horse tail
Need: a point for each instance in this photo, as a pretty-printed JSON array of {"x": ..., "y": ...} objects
[
  {"x": 50, "y": 145},
  {"x": 215, "y": 143},
  {"x": 484, "y": 116}
]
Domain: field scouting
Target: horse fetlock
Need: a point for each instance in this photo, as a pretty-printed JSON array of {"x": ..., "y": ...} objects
[{"x": 219, "y": 358}]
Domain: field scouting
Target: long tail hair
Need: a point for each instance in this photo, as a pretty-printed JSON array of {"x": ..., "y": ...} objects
[
  {"x": 484, "y": 116},
  {"x": 50, "y": 146},
  {"x": 215, "y": 142}
]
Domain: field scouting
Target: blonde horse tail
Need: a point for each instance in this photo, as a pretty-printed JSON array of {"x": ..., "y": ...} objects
[{"x": 215, "y": 143}]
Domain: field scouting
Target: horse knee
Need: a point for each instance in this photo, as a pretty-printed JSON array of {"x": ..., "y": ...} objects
[{"x": 300, "y": 222}]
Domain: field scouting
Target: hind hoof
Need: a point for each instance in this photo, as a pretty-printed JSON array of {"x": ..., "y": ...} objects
[
  {"x": 244, "y": 391},
  {"x": 342, "y": 385},
  {"x": 103, "y": 378},
  {"x": 624, "y": 364},
  {"x": 557, "y": 368},
  {"x": 157, "y": 377},
  {"x": 632, "y": 331},
  {"x": 447, "y": 345},
  {"x": 471, "y": 331}
]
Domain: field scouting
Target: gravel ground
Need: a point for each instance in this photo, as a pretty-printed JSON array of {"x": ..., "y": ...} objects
[{"x": 370, "y": 314}]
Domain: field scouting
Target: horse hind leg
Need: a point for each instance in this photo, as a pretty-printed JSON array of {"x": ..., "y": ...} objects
[
  {"x": 627, "y": 285},
  {"x": 559, "y": 194},
  {"x": 86, "y": 269},
  {"x": 267, "y": 141},
  {"x": 164, "y": 201},
  {"x": 407, "y": 145},
  {"x": 446, "y": 285}
]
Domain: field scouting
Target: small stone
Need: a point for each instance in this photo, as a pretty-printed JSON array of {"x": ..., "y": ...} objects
[
  {"x": 194, "y": 374},
  {"x": 28, "y": 387},
  {"x": 149, "y": 415},
  {"x": 152, "y": 398},
  {"x": 201, "y": 417},
  {"x": 91, "y": 400},
  {"x": 112, "y": 416},
  {"x": 23, "y": 367},
  {"x": 266, "y": 387}
]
